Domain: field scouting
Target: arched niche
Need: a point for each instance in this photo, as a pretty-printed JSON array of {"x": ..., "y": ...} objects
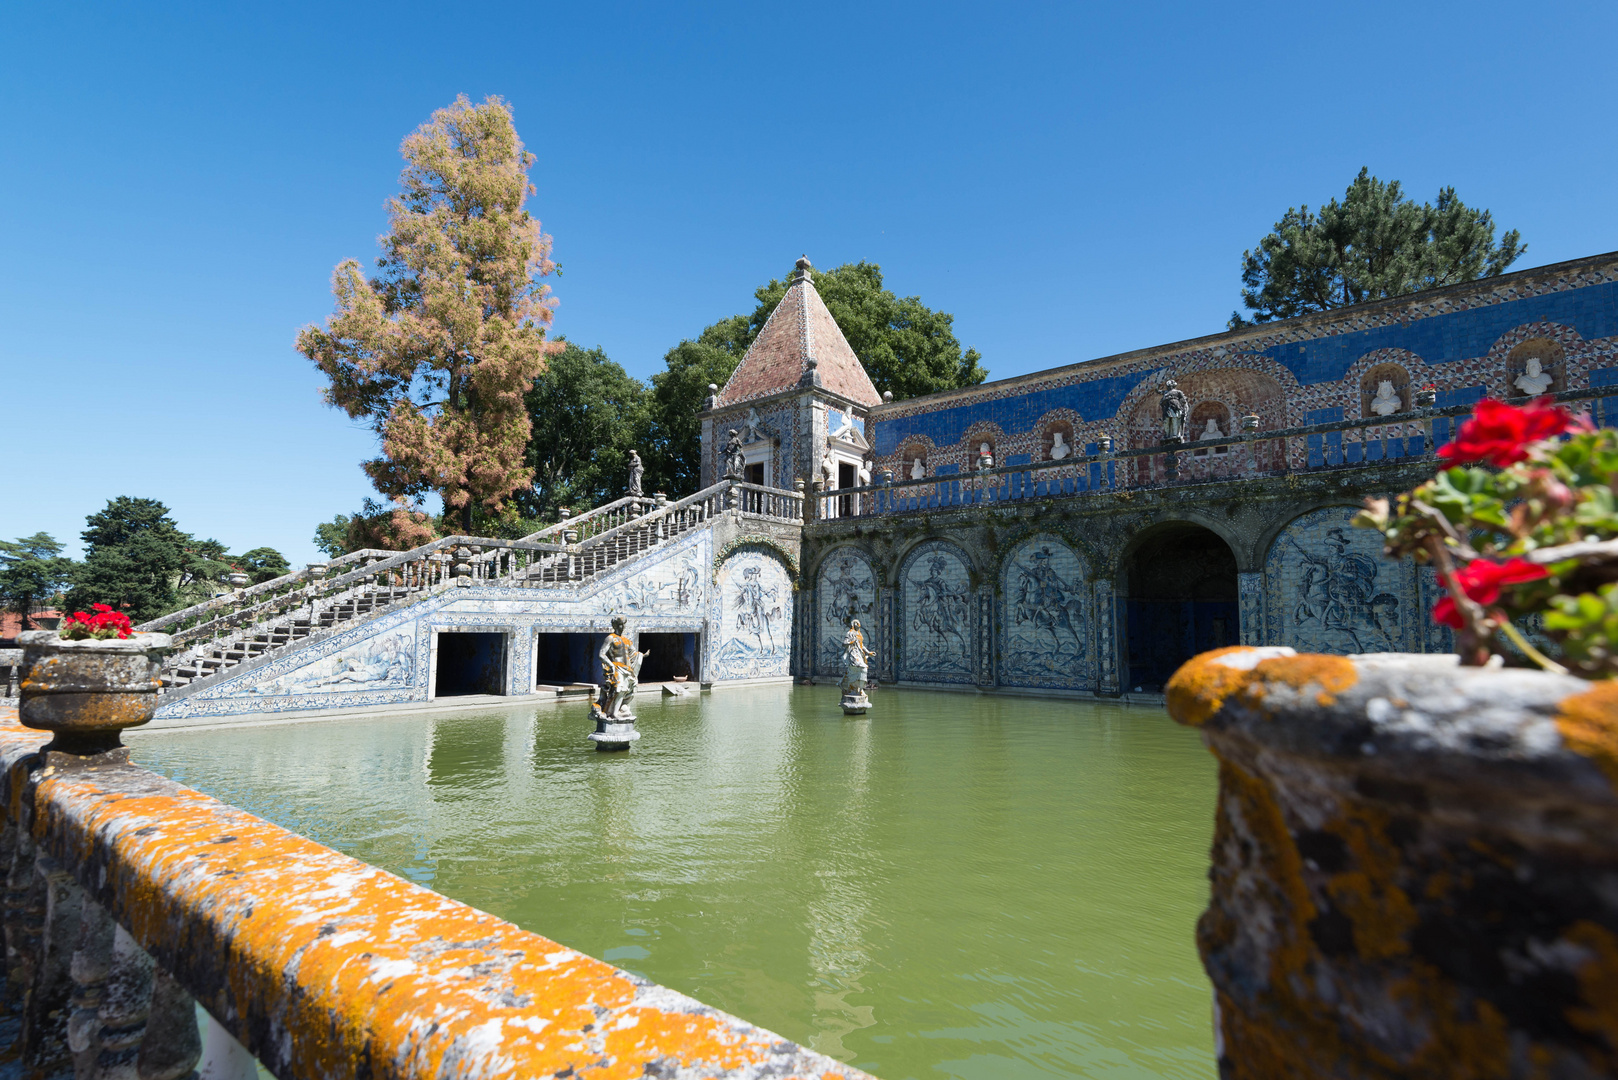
[
  {"x": 1201, "y": 413},
  {"x": 1242, "y": 391},
  {"x": 934, "y": 639},
  {"x": 1372, "y": 391},
  {"x": 1048, "y": 435},
  {"x": 754, "y": 628},
  {"x": 1329, "y": 589},
  {"x": 915, "y": 451},
  {"x": 1548, "y": 356},
  {"x": 1045, "y": 617},
  {"x": 1180, "y": 598},
  {"x": 845, "y": 589}
]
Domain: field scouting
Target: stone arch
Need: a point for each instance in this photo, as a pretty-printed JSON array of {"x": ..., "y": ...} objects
[
  {"x": 910, "y": 447},
  {"x": 1543, "y": 353},
  {"x": 1047, "y": 632},
  {"x": 935, "y": 638},
  {"x": 1328, "y": 588},
  {"x": 761, "y": 541},
  {"x": 846, "y": 585},
  {"x": 1179, "y": 596},
  {"x": 752, "y": 609}
]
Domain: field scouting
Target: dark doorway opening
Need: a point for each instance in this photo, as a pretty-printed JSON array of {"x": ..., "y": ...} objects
[
  {"x": 566, "y": 659},
  {"x": 847, "y": 476},
  {"x": 470, "y": 664},
  {"x": 670, "y": 656},
  {"x": 755, "y": 473},
  {"x": 1181, "y": 601}
]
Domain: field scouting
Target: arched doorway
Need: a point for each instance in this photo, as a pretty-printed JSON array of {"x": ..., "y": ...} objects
[{"x": 1181, "y": 600}]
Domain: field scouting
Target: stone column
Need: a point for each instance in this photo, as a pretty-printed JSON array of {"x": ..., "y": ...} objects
[
  {"x": 985, "y": 637},
  {"x": 1412, "y": 866},
  {"x": 1250, "y": 606},
  {"x": 887, "y": 655}
]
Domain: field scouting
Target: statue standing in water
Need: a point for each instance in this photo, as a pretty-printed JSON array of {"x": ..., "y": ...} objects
[
  {"x": 856, "y": 664},
  {"x": 620, "y": 673}
]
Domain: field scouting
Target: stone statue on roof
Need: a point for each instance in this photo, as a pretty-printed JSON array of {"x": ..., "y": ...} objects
[{"x": 1174, "y": 406}]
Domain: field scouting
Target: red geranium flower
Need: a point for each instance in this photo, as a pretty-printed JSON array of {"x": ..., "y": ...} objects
[
  {"x": 1481, "y": 581},
  {"x": 1499, "y": 433},
  {"x": 105, "y": 623}
]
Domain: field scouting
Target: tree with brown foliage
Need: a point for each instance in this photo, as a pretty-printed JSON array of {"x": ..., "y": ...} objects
[{"x": 436, "y": 351}]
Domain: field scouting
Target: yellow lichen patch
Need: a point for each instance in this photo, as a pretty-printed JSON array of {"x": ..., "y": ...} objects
[
  {"x": 1379, "y": 909},
  {"x": 1333, "y": 674},
  {"x": 1598, "y": 985},
  {"x": 362, "y": 967},
  {"x": 1196, "y": 691},
  {"x": 1589, "y": 726}
]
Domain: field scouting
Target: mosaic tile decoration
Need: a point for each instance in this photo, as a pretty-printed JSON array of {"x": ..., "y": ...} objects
[
  {"x": 1045, "y": 625},
  {"x": 937, "y": 642},
  {"x": 754, "y": 597},
  {"x": 845, "y": 588}
]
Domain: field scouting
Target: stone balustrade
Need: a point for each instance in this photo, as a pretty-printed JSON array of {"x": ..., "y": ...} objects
[
  {"x": 1415, "y": 866},
  {"x": 129, "y": 897}
]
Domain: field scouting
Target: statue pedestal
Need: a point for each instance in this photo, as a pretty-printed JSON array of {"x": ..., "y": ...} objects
[
  {"x": 856, "y": 703},
  {"x": 615, "y": 734}
]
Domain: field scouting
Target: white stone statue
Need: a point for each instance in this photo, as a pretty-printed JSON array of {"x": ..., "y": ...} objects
[
  {"x": 918, "y": 471},
  {"x": 865, "y": 472},
  {"x": 1059, "y": 447},
  {"x": 985, "y": 456},
  {"x": 1386, "y": 402},
  {"x": 750, "y": 432},
  {"x": 828, "y": 470},
  {"x": 1211, "y": 431},
  {"x": 1536, "y": 380},
  {"x": 856, "y": 665}
]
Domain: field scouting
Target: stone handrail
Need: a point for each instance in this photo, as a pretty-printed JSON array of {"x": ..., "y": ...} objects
[
  {"x": 1090, "y": 472},
  {"x": 129, "y": 897},
  {"x": 598, "y": 520},
  {"x": 232, "y": 599}
]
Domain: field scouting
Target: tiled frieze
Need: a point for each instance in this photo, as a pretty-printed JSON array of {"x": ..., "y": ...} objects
[
  {"x": 1456, "y": 340},
  {"x": 1045, "y": 623},
  {"x": 936, "y": 624},
  {"x": 1250, "y": 606}
]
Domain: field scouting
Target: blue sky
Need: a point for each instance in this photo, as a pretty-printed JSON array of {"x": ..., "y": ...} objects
[{"x": 176, "y": 184}]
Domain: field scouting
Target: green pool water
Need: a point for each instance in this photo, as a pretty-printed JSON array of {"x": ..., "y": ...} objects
[{"x": 952, "y": 886}]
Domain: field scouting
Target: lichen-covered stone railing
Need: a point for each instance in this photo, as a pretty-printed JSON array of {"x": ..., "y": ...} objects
[
  {"x": 128, "y": 896},
  {"x": 1415, "y": 866}
]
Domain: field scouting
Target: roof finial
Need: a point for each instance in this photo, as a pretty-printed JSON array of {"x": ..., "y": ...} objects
[{"x": 803, "y": 268}]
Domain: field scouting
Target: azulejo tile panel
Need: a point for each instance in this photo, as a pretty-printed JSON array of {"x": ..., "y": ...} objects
[
  {"x": 1045, "y": 620},
  {"x": 1328, "y": 589},
  {"x": 754, "y": 599},
  {"x": 845, "y": 589},
  {"x": 936, "y": 639}
]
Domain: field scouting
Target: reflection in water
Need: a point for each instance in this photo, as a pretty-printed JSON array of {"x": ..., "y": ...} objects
[{"x": 951, "y": 886}]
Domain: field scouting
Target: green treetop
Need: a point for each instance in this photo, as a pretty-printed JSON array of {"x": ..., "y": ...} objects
[
  {"x": 32, "y": 574},
  {"x": 1374, "y": 244}
]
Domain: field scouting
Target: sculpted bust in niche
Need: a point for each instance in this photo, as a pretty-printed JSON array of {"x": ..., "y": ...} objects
[
  {"x": 1386, "y": 402},
  {"x": 1059, "y": 447},
  {"x": 918, "y": 471},
  {"x": 1536, "y": 380}
]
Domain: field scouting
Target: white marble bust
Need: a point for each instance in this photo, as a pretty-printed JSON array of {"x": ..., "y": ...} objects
[
  {"x": 918, "y": 471},
  {"x": 985, "y": 457},
  {"x": 1536, "y": 380},
  {"x": 1386, "y": 402},
  {"x": 1059, "y": 446},
  {"x": 1211, "y": 431}
]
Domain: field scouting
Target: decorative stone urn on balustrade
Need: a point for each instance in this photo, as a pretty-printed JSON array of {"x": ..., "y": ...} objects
[
  {"x": 1415, "y": 866},
  {"x": 88, "y": 691}
]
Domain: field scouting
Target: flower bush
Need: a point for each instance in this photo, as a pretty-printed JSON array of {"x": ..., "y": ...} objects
[
  {"x": 105, "y": 623},
  {"x": 1523, "y": 523}
]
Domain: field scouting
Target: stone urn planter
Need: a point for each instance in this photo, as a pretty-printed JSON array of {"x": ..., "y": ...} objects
[
  {"x": 88, "y": 691},
  {"x": 1415, "y": 866}
]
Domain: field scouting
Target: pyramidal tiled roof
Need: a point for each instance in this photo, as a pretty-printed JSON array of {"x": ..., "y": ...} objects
[{"x": 799, "y": 342}]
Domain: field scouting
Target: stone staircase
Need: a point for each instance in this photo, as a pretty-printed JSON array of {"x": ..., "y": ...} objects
[{"x": 215, "y": 637}]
